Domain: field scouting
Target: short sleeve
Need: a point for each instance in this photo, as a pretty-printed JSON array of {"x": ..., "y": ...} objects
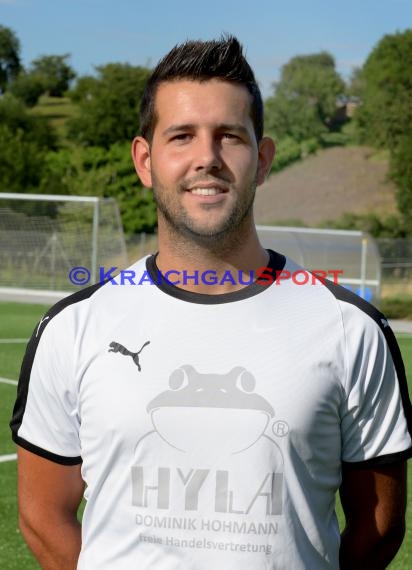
[
  {"x": 376, "y": 414},
  {"x": 45, "y": 417}
]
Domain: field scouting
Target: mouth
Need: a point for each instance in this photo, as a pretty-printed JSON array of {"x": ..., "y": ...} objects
[
  {"x": 207, "y": 188},
  {"x": 209, "y": 191}
]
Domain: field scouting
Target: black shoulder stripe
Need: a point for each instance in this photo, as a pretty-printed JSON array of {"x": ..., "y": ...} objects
[
  {"x": 62, "y": 460},
  {"x": 27, "y": 364},
  {"x": 380, "y": 461},
  {"x": 344, "y": 295}
]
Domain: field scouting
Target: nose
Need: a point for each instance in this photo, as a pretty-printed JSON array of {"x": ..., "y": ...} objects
[{"x": 208, "y": 154}]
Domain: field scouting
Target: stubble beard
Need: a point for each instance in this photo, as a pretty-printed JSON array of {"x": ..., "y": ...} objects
[{"x": 182, "y": 227}]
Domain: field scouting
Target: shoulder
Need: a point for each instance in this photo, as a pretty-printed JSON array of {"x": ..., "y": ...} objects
[
  {"x": 365, "y": 326},
  {"x": 77, "y": 308},
  {"x": 326, "y": 294},
  {"x": 356, "y": 305}
]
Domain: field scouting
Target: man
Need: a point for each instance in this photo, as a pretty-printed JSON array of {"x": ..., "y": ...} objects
[{"x": 210, "y": 406}]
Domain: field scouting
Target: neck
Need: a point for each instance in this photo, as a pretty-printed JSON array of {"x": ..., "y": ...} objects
[{"x": 240, "y": 251}]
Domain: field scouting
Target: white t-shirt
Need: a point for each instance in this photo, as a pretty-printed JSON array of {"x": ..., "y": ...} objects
[{"x": 212, "y": 428}]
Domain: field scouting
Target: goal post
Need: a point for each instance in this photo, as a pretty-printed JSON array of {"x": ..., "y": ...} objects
[{"x": 43, "y": 237}]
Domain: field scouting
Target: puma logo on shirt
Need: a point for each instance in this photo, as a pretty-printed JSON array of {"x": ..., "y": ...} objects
[{"x": 117, "y": 347}]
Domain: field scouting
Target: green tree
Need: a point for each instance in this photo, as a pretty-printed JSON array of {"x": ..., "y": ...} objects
[
  {"x": 22, "y": 161},
  {"x": 356, "y": 83},
  {"x": 401, "y": 173},
  {"x": 15, "y": 116},
  {"x": 24, "y": 143},
  {"x": 10, "y": 65},
  {"x": 28, "y": 87},
  {"x": 108, "y": 104},
  {"x": 386, "y": 91},
  {"x": 385, "y": 117},
  {"x": 55, "y": 72},
  {"x": 304, "y": 100},
  {"x": 95, "y": 171}
]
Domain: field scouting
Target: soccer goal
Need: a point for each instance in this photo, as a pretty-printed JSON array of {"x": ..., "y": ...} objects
[{"x": 44, "y": 237}]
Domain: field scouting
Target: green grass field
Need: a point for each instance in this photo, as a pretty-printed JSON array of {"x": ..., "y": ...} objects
[{"x": 17, "y": 322}]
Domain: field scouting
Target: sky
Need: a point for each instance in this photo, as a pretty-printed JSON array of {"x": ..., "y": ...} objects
[{"x": 96, "y": 32}]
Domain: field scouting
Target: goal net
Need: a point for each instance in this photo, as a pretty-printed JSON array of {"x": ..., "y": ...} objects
[{"x": 44, "y": 237}]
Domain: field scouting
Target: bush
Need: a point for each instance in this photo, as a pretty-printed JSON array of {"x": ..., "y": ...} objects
[
  {"x": 377, "y": 226},
  {"x": 397, "y": 307},
  {"x": 288, "y": 151},
  {"x": 309, "y": 146},
  {"x": 333, "y": 139}
]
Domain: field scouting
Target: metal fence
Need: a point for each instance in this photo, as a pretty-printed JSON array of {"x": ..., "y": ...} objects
[{"x": 396, "y": 263}]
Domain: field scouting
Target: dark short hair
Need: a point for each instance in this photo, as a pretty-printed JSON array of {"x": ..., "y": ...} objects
[{"x": 202, "y": 61}]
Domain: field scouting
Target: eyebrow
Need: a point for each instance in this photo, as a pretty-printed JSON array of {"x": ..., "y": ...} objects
[{"x": 234, "y": 127}]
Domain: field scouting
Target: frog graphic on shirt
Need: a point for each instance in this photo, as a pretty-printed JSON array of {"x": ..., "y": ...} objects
[
  {"x": 202, "y": 411},
  {"x": 211, "y": 431}
]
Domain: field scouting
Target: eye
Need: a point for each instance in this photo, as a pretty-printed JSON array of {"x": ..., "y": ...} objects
[
  {"x": 178, "y": 379},
  {"x": 181, "y": 137},
  {"x": 230, "y": 136},
  {"x": 246, "y": 381}
]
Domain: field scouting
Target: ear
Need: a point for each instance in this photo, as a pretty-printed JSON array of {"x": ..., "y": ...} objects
[
  {"x": 267, "y": 151},
  {"x": 141, "y": 160}
]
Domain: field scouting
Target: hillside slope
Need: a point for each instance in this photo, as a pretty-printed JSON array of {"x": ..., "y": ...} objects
[{"x": 325, "y": 186}]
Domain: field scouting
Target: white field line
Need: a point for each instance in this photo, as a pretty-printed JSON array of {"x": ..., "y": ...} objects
[
  {"x": 13, "y": 340},
  {"x": 9, "y": 457},
  {"x": 7, "y": 381}
]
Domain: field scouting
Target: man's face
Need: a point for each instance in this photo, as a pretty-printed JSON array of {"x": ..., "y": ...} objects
[{"x": 203, "y": 163}]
